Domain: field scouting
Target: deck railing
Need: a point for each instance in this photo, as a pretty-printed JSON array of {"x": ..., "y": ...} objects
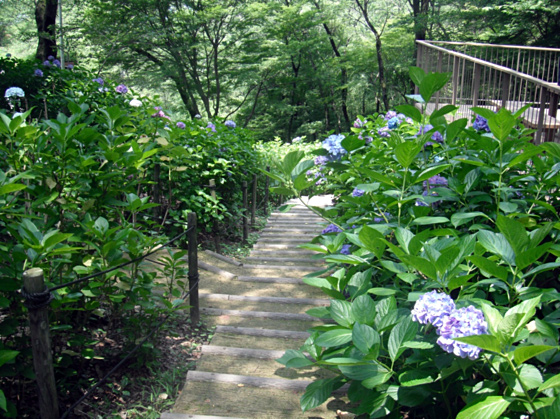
[{"x": 486, "y": 78}]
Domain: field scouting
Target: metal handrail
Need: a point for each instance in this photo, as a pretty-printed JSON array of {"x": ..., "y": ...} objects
[
  {"x": 553, "y": 87},
  {"x": 478, "y": 44}
]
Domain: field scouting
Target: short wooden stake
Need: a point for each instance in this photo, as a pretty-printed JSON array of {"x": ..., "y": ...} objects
[
  {"x": 245, "y": 212},
  {"x": 33, "y": 283},
  {"x": 254, "y": 201},
  {"x": 193, "y": 269}
]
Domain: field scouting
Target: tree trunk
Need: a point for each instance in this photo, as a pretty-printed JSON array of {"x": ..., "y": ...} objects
[{"x": 45, "y": 17}]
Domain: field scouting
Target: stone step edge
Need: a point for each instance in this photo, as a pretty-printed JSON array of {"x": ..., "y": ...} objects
[
  {"x": 303, "y": 261},
  {"x": 270, "y": 280},
  {"x": 261, "y": 382},
  {"x": 189, "y": 416},
  {"x": 277, "y": 300},
  {"x": 283, "y": 267},
  {"x": 269, "y": 333},
  {"x": 223, "y": 258},
  {"x": 261, "y": 314},
  {"x": 267, "y": 354},
  {"x": 214, "y": 269}
]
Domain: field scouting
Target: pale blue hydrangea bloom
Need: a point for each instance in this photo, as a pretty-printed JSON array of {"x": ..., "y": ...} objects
[
  {"x": 321, "y": 160},
  {"x": 357, "y": 192},
  {"x": 345, "y": 249},
  {"x": 181, "y": 125},
  {"x": 122, "y": 89},
  {"x": 432, "y": 307},
  {"x": 230, "y": 124},
  {"x": 467, "y": 321},
  {"x": 393, "y": 122},
  {"x": 481, "y": 124},
  {"x": 56, "y": 63},
  {"x": 333, "y": 146},
  {"x": 211, "y": 126},
  {"x": 99, "y": 80},
  {"x": 436, "y": 180},
  {"x": 38, "y": 73},
  {"x": 14, "y": 92},
  {"x": 296, "y": 140}
]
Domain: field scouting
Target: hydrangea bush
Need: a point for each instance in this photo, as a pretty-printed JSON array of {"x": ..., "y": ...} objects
[{"x": 442, "y": 269}]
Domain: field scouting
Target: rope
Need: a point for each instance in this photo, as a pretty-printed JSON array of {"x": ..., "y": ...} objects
[{"x": 36, "y": 300}]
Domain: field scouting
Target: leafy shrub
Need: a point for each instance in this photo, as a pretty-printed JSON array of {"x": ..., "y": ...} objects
[{"x": 430, "y": 205}]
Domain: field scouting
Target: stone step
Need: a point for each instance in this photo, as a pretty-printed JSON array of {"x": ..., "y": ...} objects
[
  {"x": 287, "y": 261},
  {"x": 261, "y": 314},
  {"x": 270, "y": 280},
  {"x": 266, "y": 333},
  {"x": 293, "y": 270},
  {"x": 294, "y": 223},
  {"x": 239, "y": 400},
  {"x": 292, "y": 339},
  {"x": 280, "y": 253},
  {"x": 188, "y": 416},
  {"x": 271, "y": 246},
  {"x": 267, "y": 300},
  {"x": 256, "y": 305},
  {"x": 294, "y": 230},
  {"x": 287, "y": 234},
  {"x": 288, "y": 240},
  {"x": 258, "y": 322}
]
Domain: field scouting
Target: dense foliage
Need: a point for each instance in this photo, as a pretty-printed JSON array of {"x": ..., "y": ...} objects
[
  {"x": 77, "y": 197},
  {"x": 443, "y": 264}
]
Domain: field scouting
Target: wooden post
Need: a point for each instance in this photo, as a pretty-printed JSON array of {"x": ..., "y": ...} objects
[
  {"x": 254, "y": 201},
  {"x": 266, "y": 186},
  {"x": 245, "y": 211},
  {"x": 193, "y": 269},
  {"x": 438, "y": 69},
  {"x": 476, "y": 84},
  {"x": 540, "y": 122},
  {"x": 505, "y": 89},
  {"x": 215, "y": 227},
  {"x": 418, "y": 63},
  {"x": 455, "y": 80},
  {"x": 33, "y": 283}
]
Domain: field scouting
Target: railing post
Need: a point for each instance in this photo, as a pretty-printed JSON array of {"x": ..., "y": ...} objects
[
  {"x": 418, "y": 63},
  {"x": 455, "y": 80},
  {"x": 192, "y": 252},
  {"x": 33, "y": 284},
  {"x": 215, "y": 228},
  {"x": 505, "y": 89},
  {"x": 245, "y": 212},
  {"x": 254, "y": 201},
  {"x": 540, "y": 122},
  {"x": 476, "y": 83},
  {"x": 266, "y": 186}
]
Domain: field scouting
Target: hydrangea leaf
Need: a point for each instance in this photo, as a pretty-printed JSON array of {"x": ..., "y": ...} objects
[
  {"x": 294, "y": 359},
  {"x": 404, "y": 331},
  {"x": 551, "y": 383},
  {"x": 417, "y": 74},
  {"x": 489, "y": 408},
  {"x": 514, "y": 232},
  {"x": 496, "y": 243},
  {"x": 318, "y": 392},
  {"x": 363, "y": 310},
  {"x": 486, "y": 342},
  {"x": 364, "y": 338},
  {"x": 406, "y": 152},
  {"x": 413, "y": 378},
  {"x": 341, "y": 312},
  {"x": 524, "y": 353},
  {"x": 431, "y": 83},
  {"x": 429, "y": 172},
  {"x": 489, "y": 267},
  {"x": 352, "y": 143},
  {"x": 410, "y": 111},
  {"x": 501, "y": 124},
  {"x": 461, "y": 218},
  {"x": 334, "y": 337},
  {"x": 291, "y": 160}
]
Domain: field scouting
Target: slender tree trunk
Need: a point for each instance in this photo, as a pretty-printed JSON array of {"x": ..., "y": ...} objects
[{"x": 45, "y": 17}]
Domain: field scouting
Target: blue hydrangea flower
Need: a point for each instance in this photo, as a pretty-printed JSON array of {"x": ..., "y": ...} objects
[
  {"x": 481, "y": 124},
  {"x": 198, "y": 116},
  {"x": 345, "y": 249},
  {"x": 432, "y": 307},
  {"x": 14, "y": 92},
  {"x": 181, "y": 125},
  {"x": 99, "y": 80},
  {"x": 70, "y": 66},
  {"x": 383, "y": 132},
  {"x": 393, "y": 122},
  {"x": 38, "y": 73},
  {"x": 47, "y": 63},
  {"x": 122, "y": 89},
  {"x": 211, "y": 126},
  {"x": 387, "y": 215},
  {"x": 230, "y": 124},
  {"x": 357, "y": 192},
  {"x": 56, "y": 63},
  {"x": 436, "y": 180},
  {"x": 467, "y": 321},
  {"x": 50, "y": 58},
  {"x": 309, "y": 173},
  {"x": 358, "y": 123},
  {"x": 390, "y": 115},
  {"x": 331, "y": 228},
  {"x": 332, "y": 145},
  {"x": 321, "y": 160}
]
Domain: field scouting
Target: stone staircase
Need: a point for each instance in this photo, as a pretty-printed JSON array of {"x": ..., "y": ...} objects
[{"x": 259, "y": 312}]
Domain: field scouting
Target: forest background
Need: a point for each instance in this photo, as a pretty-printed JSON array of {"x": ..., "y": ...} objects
[{"x": 282, "y": 68}]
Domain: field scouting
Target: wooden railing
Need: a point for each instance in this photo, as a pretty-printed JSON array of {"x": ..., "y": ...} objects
[{"x": 478, "y": 82}]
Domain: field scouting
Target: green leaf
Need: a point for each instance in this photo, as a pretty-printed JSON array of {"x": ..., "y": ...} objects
[
  {"x": 313, "y": 246},
  {"x": 334, "y": 337},
  {"x": 493, "y": 318},
  {"x": 454, "y": 128},
  {"x": 317, "y": 393},
  {"x": 530, "y": 378},
  {"x": 372, "y": 240},
  {"x": 416, "y": 74},
  {"x": 422, "y": 265},
  {"x": 461, "y": 218},
  {"x": 514, "y": 232},
  {"x": 352, "y": 143},
  {"x": 294, "y": 359},
  {"x": 484, "y": 112},
  {"x": 413, "y": 378},
  {"x": 11, "y": 187},
  {"x": 488, "y": 267},
  {"x": 524, "y": 259},
  {"x": 341, "y": 312},
  {"x": 423, "y": 221},
  {"x": 410, "y": 111},
  {"x": 362, "y": 372},
  {"x": 486, "y": 342},
  {"x": 501, "y": 124},
  {"x": 302, "y": 167},
  {"x": 7, "y": 356},
  {"x": 550, "y": 383},
  {"x": 405, "y": 153},
  {"x": 524, "y": 353},
  {"x": 291, "y": 160},
  {"x": 430, "y": 172},
  {"x": 496, "y": 243},
  {"x": 489, "y": 408},
  {"x": 364, "y": 337},
  {"x": 403, "y": 332},
  {"x": 282, "y": 191},
  {"x": 363, "y": 309},
  {"x": 432, "y": 83},
  {"x": 351, "y": 259},
  {"x": 301, "y": 182}
]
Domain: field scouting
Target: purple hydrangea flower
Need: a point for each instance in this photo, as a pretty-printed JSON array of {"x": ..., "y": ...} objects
[
  {"x": 211, "y": 126},
  {"x": 387, "y": 215},
  {"x": 390, "y": 114},
  {"x": 50, "y": 58},
  {"x": 358, "y": 123},
  {"x": 160, "y": 114},
  {"x": 345, "y": 249},
  {"x": 467, "y": 321},
  {"x": 158, "y": 108},
  {"x": 321, "y": 160},
  {"x": 481, "y": 124},
  {"x": 230, "y": 124},
  {"x": 122, "y": 89},
  {"x": 70, "y": 66},
  {"x": 181, "y": 125},
  {"x": 331, "y": 228},
  {"x": 47, "y": 63},
  {"x": 383, "y": 132},
  {"x": 56, "y": 63},
  {"x": 309, "y": 173},
  {"x": 357, "y": 192},
  {"x": 320, "y": 181},
  {"x": 432, "y": 307},
  {"x": 436, "y": 180},
  {"x": 38, "y": 73},
  {"x": 99, "y": 80},
  {"x": 333, "y": 145}
]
